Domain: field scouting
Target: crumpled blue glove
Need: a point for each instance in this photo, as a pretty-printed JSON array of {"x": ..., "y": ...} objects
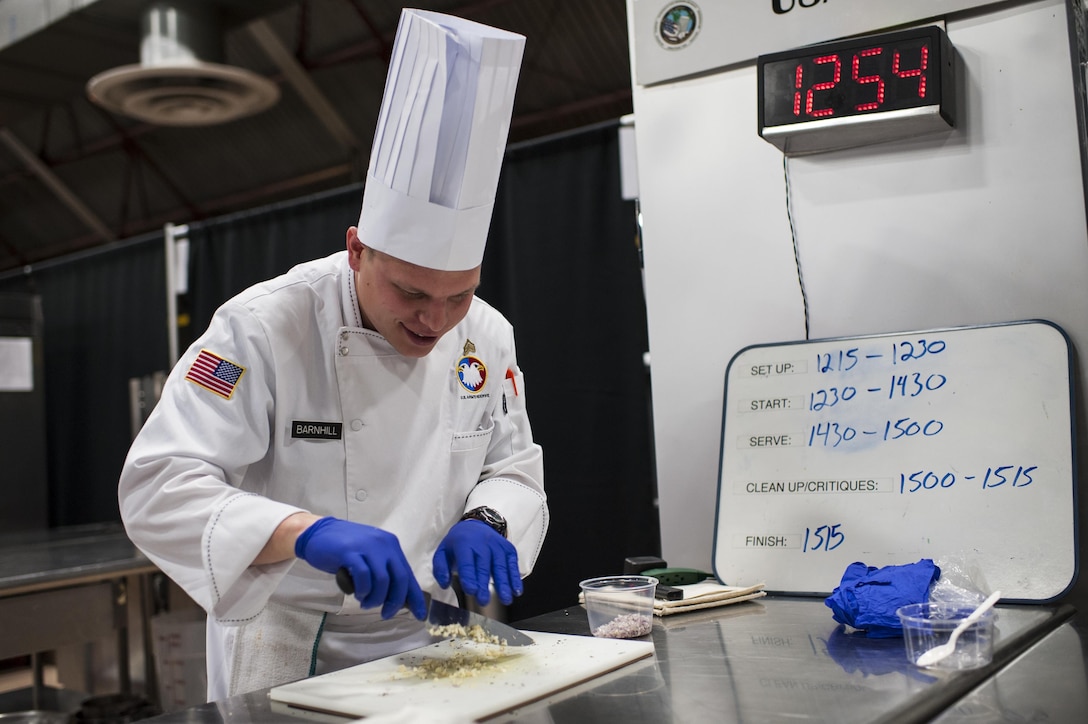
[
  {"x": 868, "y": 597},
  {"x": 479, "y": 555},
  {"x": 372, "y": 556}
]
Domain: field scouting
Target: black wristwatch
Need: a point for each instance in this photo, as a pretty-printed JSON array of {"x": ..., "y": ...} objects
[{"x": 489, "y": 516}]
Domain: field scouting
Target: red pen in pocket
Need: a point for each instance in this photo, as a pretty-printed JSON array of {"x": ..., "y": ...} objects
[{"x": 513, "y": 381}]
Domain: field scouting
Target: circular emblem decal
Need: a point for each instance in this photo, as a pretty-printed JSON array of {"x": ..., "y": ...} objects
[
  {"x": 472, "y": 373},
  {"x": 677, "y": 25}
]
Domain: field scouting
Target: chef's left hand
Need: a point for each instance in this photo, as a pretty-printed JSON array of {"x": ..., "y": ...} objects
[{"x": 480, "y": 555}]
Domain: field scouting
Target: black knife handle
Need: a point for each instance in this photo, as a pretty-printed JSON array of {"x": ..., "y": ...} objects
[
  {"x": 344, "y": 580},
  {"x": 347, "y": 585}
]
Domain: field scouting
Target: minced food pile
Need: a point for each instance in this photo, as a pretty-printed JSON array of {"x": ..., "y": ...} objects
[{"x": 467, "y": 661}]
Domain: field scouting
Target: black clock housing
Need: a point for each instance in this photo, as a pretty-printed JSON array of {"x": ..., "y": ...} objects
[{"x": 858, "y": 91}]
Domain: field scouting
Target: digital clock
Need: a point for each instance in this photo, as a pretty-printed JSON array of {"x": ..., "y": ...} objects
[{"x": 858, "y": 91}]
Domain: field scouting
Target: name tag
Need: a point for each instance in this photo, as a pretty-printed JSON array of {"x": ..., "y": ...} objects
[{"x": 307, "y": 430}]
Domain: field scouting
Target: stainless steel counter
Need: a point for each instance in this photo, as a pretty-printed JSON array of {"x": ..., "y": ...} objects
[
  {"x": 62, "y": 557},
  {"x": 1047, "y": 683},
  {"x": 74, "y": 585},
  {"x": 783, "y": 660}
]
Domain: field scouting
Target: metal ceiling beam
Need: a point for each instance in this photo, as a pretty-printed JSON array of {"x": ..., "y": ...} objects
[
  {"x": 300, "y": 80},
  {"x": 88, "y": 243},
  {"x": 385, "y": 50},
  {"x": 601, "y": 100},
  {"x": 264, "y": 194},
  {"x": 297, "y": 65},
  {"x": 53, "y": 182},
  {"x": 13, "y": 252},
  {"x": 134, "y": 152},
  {"x": 377, "y": 46}
]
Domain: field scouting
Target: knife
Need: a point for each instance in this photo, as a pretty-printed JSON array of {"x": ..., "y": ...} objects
[{"x": 443, "y": 614}]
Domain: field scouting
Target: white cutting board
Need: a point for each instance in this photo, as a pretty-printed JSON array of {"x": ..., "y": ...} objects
[{"x": 527, "y": 673}]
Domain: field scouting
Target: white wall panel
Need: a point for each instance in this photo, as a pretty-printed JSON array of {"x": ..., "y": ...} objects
[{"x": 985, "y": 224}]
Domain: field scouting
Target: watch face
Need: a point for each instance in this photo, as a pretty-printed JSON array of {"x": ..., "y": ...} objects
[{"x": 489, "y": 516}]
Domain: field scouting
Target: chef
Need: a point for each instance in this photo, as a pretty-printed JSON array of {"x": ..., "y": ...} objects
[{"x": 364, "y": 411}]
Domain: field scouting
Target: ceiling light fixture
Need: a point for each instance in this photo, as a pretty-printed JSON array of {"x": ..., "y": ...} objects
[{"x": 179, "y": 81}]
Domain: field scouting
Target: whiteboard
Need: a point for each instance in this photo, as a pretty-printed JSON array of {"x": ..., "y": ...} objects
[{"x": 953, "y": 444}]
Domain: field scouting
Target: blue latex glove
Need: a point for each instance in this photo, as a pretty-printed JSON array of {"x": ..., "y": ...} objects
[
  {"x": 374, "y": 559},
  {"x": 479, "y": 555},
  {"x": 868, "y": 597}
]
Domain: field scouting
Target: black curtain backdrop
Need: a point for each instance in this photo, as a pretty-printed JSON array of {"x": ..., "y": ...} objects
[
  {"x": 237, "y": 251},
  {"x": 104, "y": 320},
  {"x": 562, "y": 264}
]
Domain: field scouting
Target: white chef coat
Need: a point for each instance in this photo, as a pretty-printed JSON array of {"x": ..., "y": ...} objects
[{"x": 317, "y": 413}]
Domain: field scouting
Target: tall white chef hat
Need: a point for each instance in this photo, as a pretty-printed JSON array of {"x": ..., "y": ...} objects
[{"x": 440, "y": 139}]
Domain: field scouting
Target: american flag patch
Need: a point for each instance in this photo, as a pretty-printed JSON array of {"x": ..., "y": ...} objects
[{"x": 214, "y": 373}]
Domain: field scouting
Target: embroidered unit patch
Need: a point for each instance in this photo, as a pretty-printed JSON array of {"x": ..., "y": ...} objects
[
  {"x": 472, "y": 373},
  {"x": 214, "y": 373}
]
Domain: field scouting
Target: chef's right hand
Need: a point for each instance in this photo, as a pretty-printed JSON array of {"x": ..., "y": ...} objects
[{"x": 372, "y": 556}]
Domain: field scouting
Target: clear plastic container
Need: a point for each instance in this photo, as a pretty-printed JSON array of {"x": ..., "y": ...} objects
[
  {"x": 926, "y": 625},
  {"x": 619, "y": 607}
]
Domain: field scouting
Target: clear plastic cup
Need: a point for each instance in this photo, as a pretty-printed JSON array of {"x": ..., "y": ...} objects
[
  {"x": 926, "y": 625},
  {"x": 619, "y": 607}
]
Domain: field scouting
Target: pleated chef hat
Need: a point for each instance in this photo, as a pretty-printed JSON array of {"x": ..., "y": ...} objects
[{"x": 440, "y": 139}]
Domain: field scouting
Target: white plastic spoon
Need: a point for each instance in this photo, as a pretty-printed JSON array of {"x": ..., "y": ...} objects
[{"x": 938, "y": 653}]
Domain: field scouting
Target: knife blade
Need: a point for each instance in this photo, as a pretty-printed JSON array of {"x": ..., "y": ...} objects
[{"x": 440, "y": 613}]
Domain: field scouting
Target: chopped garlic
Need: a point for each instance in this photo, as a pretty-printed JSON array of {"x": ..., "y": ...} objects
[
  {"x": 467, "y": 660},
  {"x": 472, "y": 633}
]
